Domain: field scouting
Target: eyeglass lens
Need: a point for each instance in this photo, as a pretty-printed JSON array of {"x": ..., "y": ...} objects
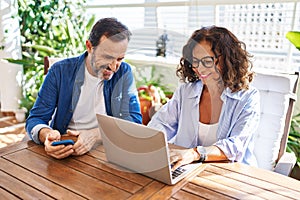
[{"x": 207, "y": 62}]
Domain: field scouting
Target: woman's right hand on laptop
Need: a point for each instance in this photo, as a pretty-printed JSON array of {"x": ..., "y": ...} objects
[{"x": 180, "y": 157}]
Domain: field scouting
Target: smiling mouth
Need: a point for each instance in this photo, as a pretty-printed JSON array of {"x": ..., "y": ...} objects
[{"x": 204, "y": 76}]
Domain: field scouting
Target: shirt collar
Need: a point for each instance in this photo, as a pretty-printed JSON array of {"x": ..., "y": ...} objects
[
  {"x": 233, "y": 95},
  {"x": 198, "y": 86}
]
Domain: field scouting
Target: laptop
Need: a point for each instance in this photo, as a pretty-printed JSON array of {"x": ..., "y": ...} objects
[{"x": 140, "y": 149}]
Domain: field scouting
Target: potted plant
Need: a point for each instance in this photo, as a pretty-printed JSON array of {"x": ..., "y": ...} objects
[
  {"x": 151, "y": 91},
  {"x": 293, "y": 144}
]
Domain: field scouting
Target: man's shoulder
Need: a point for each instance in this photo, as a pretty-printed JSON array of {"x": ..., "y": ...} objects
[
  {"x": 69, "y": 60},
  {"x": 125, "y": 67},
  {"x": 68, "y": 63}
]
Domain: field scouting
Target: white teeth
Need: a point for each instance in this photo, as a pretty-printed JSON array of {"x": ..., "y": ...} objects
[{"x": 204, "y": 76}]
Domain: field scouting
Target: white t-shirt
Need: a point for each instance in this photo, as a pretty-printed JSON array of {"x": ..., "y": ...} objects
[
  {"x": 91, "y": 101},
  {"x": 207, "y": 134}
]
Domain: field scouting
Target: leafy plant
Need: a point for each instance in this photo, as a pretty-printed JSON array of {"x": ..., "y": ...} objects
[
  {"x": 151, "y": 91},
  {"x": 144, "y": 82},
  {"x": 55, "y": 28},
  {"x": 293, "y": 144},
  {"x": 294, "y": 38}
]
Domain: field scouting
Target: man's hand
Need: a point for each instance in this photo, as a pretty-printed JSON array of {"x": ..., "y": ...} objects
[
  {"x": 86, "y": 140},
  {"x": 60, "y": 151}
]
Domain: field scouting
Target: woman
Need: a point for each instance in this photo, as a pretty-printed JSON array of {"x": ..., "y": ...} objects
[{"x": 215, "y": 113}]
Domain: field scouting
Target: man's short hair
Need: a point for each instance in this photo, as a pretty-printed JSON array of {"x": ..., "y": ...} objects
[{"x": 111, "y": 28}]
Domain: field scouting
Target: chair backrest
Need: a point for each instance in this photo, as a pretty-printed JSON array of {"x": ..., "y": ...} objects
[
  {"x": 48, "y": 61},
  {"x": 278, "y": 95}
]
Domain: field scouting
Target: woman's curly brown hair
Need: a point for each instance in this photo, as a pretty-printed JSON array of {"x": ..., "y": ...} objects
[{"x": 232, "y": 56}]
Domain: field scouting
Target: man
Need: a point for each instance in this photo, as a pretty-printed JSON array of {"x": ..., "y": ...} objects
[{"x": 75, "y": 89}]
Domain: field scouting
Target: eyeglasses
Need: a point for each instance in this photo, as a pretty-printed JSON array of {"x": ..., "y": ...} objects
[{"x": 207, "y": 61}]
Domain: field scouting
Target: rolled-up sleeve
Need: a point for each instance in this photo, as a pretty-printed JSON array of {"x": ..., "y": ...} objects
[{"x": 34, "y": 135}]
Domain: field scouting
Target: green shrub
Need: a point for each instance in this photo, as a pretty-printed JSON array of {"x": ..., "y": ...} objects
[
  {"x": 57, "y": 28},
  {"x": 293, "y": 144}
]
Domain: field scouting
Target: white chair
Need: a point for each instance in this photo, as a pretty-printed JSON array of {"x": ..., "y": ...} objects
[{"x": 278, "y": 95}]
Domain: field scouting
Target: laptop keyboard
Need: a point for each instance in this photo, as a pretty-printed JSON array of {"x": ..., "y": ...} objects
[{"x": 177, "y": 172}]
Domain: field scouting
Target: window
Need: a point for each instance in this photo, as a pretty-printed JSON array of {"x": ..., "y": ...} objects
[{"x": 262, "y": 26}]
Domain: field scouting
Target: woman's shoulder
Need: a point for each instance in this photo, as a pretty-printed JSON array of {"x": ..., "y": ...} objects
[
  {"x": 250, "y": 95},
  {"x": 251, "y": 91},
  {"x": 243, "y": 94},
  {"x": 189, "y": 90}
]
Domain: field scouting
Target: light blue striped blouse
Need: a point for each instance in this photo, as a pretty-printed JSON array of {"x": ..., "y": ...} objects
[{"x": 239, "y": 119}]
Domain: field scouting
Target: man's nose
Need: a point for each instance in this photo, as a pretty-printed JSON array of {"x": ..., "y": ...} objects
[{"x": 113, "y": 65}]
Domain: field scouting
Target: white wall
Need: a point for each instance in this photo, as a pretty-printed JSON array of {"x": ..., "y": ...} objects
[{"x": 10, "y": 90}]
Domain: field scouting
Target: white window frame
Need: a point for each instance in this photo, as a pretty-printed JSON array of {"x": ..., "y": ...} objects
[{"x": 290, "y": 59}]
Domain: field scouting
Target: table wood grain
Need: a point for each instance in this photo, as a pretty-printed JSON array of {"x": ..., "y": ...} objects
[{"x": 26, "y": 172}]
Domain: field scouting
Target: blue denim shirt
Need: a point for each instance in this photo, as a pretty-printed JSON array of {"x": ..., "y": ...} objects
[
  {"x": 238, "y": 121},
  {"x": 60, "y": 93}
]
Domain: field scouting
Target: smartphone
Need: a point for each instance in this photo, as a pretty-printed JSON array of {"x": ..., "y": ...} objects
[{"x": 64, "y": 142}]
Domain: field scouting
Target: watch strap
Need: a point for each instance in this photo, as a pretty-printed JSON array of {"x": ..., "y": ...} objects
[{"x": 202, "y": 151}]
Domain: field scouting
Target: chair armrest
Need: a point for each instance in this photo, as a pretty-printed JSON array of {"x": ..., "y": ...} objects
[{"x": 285, "y": 164}]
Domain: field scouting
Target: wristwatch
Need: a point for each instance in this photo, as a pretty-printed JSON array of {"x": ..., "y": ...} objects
[{"x": 202, "y": 152}]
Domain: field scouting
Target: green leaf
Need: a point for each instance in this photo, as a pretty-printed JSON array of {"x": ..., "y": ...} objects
[
  {"x": 294, "y": 38},
  {"x": 19, "y": 61},
  {"x": 46, "y": 49},
  {"x": 71, "y": 33},
  {"x": 90, "y": 23}
]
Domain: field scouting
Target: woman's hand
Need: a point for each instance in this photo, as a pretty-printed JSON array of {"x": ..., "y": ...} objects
[
  {"x": 179, "y": 157},
  {"x": 60, "y": 151}
]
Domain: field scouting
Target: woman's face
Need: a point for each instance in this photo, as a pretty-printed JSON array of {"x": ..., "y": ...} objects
[{"x": 204, "y": 63}]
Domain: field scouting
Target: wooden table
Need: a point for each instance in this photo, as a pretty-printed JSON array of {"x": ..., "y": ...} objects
[{"x": 26, "y": 172}]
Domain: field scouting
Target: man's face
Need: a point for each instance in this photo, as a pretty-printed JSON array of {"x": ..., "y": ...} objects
[{"x": 107, "y": 57}]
